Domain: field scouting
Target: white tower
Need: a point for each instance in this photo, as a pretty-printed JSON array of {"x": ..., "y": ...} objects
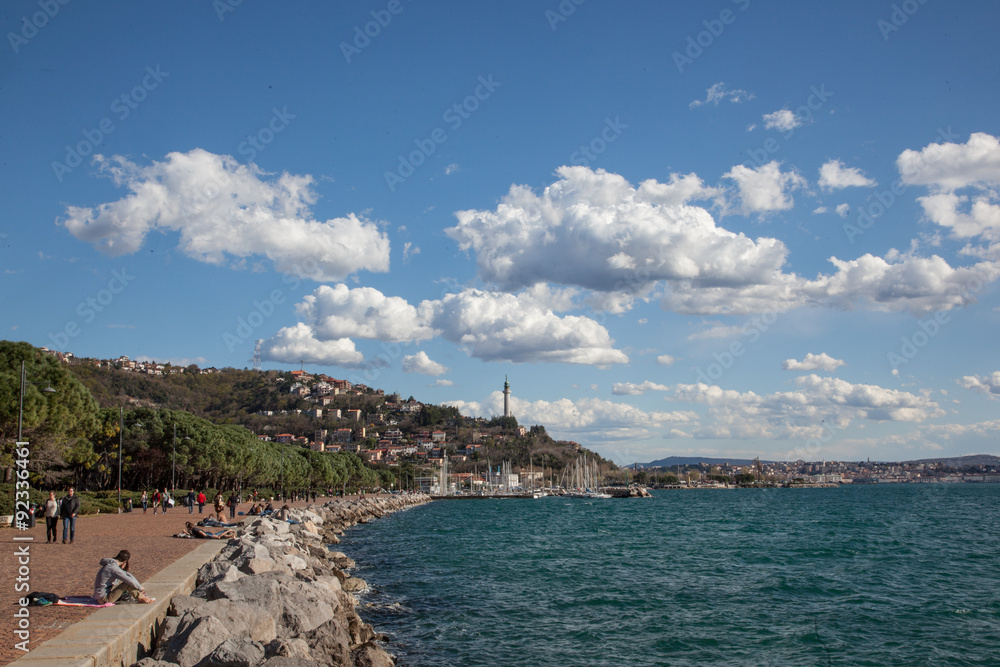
[{"x": 506, "y": 397}]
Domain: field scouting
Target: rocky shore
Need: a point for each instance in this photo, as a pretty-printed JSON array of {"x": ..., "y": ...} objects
[{"x": 278, "y": 596}]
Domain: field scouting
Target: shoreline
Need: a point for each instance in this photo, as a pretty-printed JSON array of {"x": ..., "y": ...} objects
[{"x": 278, "y": 591}]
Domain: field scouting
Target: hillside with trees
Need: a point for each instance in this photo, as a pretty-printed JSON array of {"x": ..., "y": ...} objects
[{"x": 227, "y": 422}]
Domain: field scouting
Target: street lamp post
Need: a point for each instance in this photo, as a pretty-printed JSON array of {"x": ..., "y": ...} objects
[
  {"x": 20, "y": 407},
  {"x": 121, "y": 429},
  {"x": 173, "y": 463}
]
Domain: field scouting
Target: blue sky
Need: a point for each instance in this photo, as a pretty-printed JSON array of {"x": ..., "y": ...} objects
[{"x": 724, "y": 228}]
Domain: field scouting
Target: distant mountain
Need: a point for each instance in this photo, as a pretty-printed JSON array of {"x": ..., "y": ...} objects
[
  {"x": 694, "y": 460},
  {"x": 960, "y": 461}
]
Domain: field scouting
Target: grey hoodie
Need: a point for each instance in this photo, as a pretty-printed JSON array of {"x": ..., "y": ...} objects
[{"x": 106, "y": 576}]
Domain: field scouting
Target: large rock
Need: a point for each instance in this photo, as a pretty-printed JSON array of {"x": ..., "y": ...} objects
[
  {"x": 151, "y": 662},
  {"x": 235, "y": 653},
  {"x": 354, "y": 584},
  {"x": 196, "y": 638},
  {"x": 371, "y": 654},
  {"x": 289, "y": 648}
]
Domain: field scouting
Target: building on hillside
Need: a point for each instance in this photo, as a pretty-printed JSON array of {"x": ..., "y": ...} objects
[
  {"x": 284, "y": 438},
  {"x": 342, "y": 435},
  {"x": 353, "y": 415},
  {"x": 438, "y": 436}
]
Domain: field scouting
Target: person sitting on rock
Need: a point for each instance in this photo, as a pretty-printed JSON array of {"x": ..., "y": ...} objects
[
  {"x": 255, "y": 509},
  {"x": 282, "y": 513},
  {"x": 116, "y": 569},
  {"x": 201, "y": 533}
]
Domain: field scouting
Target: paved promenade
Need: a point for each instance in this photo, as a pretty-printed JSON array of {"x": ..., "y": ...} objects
[{"x": 69, "y": 569}]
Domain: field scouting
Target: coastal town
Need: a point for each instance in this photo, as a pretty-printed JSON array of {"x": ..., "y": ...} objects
[{"x": 388, "y": 431}]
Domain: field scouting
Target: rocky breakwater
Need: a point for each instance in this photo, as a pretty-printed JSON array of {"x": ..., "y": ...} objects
[{"x": 278, "y": 596}]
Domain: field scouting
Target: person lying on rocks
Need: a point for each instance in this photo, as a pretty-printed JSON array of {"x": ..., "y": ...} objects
[
  {"x": 116, "y": 569},
  {"x": 195, "y": 531}
]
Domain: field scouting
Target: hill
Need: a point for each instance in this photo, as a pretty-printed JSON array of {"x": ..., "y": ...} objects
[
  {"x": 961, "y": 461},
  {"x": 693, "y": 461}
]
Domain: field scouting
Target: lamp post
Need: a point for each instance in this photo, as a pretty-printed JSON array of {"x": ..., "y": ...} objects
[
  {"x": 20, "y": 407},
  {"x": 173, "y": 461},
  {"x": 121, "y": 429}
]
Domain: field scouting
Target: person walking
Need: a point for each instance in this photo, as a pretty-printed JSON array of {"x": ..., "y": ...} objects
[
  {"x": 190, "y": 501},
  {"x": 165, "y": 499},
  {"x": 144, "y": 499},
  {"x": 220, "y": 507},
  {"x": 201, "y": 501},
  {"x": 156, "y": 501},
  {"x": 233, "y": 504},
  {"x": 69, "y": 507},
  {"x": 51, "y": 518}
]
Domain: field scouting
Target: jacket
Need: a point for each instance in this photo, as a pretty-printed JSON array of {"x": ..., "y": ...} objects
[
  {"x": 51, "y": 508},
  {"x": 106, "y": 576},
  {"x": 69, "y": 505}
]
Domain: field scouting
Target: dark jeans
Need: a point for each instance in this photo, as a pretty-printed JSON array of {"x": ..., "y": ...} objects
[
  {"x": 51, "y": 528},
  {"x": 201, "y": 507},
  {"x": 232, "y": 511},
  {"x": 69, "y": 527}
]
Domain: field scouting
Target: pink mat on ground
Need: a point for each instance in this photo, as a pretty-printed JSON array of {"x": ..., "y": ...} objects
[{"x": 83, "y": 601}]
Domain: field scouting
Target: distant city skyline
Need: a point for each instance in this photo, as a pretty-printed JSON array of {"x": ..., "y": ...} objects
[{"x": 733, "y": 230}]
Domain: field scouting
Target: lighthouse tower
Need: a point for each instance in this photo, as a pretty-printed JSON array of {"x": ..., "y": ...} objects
[{"x": 506, "y": 397}]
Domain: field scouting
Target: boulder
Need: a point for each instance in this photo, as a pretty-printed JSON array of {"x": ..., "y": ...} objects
[
  {"x": 282, "y": 661},
  {"x": 289, "y": 648},
  {"x": 371, "y": 654},
  {"x": 258, "y": 565},
  {"x": 354, "y": 584},
  {"x": 217, "y": 571},
  {"x": 150, "y": 662},
  {"x": 235, "y": 653},
  {"x": 196, "y": 638}
]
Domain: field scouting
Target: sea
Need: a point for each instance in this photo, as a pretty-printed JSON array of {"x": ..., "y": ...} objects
[{"x": 880, "y": 574}]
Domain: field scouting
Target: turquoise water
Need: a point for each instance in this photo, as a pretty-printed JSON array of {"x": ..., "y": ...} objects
[{"x": 872, "y": 575}]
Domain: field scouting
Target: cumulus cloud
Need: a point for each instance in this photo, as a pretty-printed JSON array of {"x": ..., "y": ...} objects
[
  {"x": 632, "y": 389},
  {"x": 596, "y": 418},
  {"x": 594, "y": 230},
  {"x": 421, "y": 363},
  {"x": 665, "y": 360},
  {"x": 495, "y": 326},
  {"x": 718, "y": 93},
  {"x": 362, "y": 312},
  {"x": 833, "y": 175},
  {"x": 783, "y": 119},
  {"x": 984, "y": 384},
  {"x": 298, "y": 343},
  {"x": 812, "y": 362},
  {"x": 766, "y": 187},
  {"x": 842, "y": 210},
  {"x": 815, "y": 407},
  {"x": 226, "y": 212},
  {"x": 948, "y": 168}
]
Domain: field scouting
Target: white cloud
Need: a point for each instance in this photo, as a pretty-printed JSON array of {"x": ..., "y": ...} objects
[
  {"x": 443, "y": 383},
  {"x": 223, "y": 210},
  {"x": 833, "y": 175},
  {"x": 783, "y": 120},
  {"x": 813, "y": 362},
  {"x": 451, "y": 169},
  {"x": 298, "y": 343},
  {"x": 842, "y": 210},
  {"x": 947, "y": 168},
  {"x": 495, "y": 326},
  {"x": 817, "y": 406},
  {"x": 421, "y": 363},
  {"x": 665, "y": 360},
  {"x": 820, "y": 209},
  {"x": 592, "y": 229},
  {"x": 984, "y": 384},
  {"x": 718, "y": 93},
  {"x": 765, "y": 188},
  {"x": 631, "y": 389},
  {"x": 362, "y": 312},
  {"x": 595, "y": 418}
]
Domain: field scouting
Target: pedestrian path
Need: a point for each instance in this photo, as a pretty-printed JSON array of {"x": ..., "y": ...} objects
[{"x": 160, "y": 561}]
